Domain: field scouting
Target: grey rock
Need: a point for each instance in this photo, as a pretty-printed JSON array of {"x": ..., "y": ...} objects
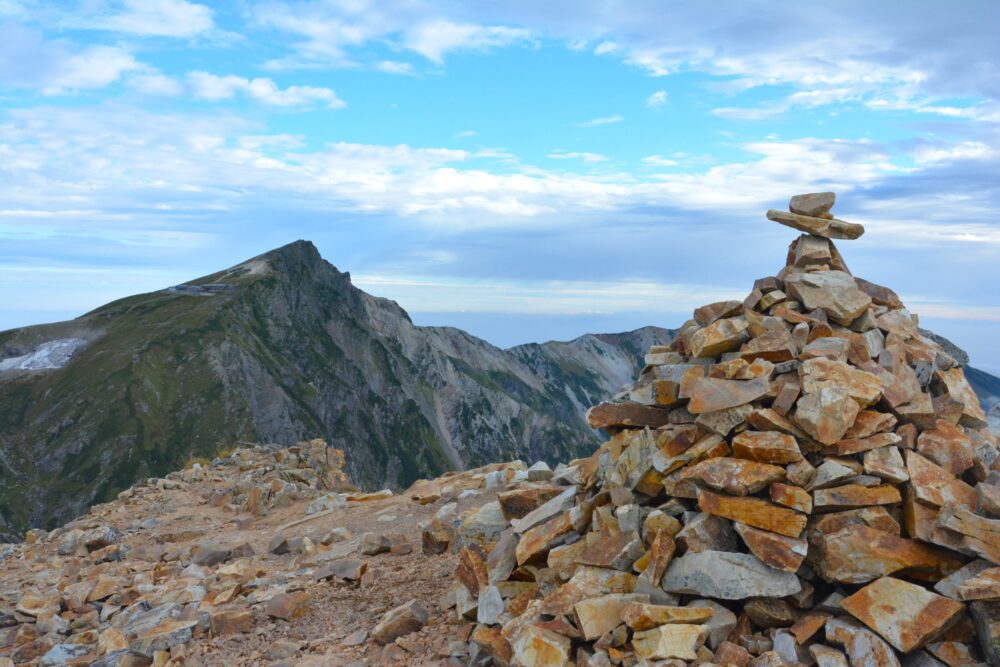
[
  {"x": 720, "y": 625},
  {"x": 540, "y": 472},
  {"x": 490, "y": 606},
  {"x": 373, "y": 544},
  {"x": 61, "y": 654},
  {"x": 813, "y": 203},
  {"x": 949, "y": 585},
  {"x": 727, "y": 576},
  {"x": 207, "y": 554}
]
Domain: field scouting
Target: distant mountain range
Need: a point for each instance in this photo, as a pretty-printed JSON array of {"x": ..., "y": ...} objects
[{"x": 279, "y": 349}]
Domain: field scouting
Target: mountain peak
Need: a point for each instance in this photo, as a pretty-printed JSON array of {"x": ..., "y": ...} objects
[{"x": 300, "y": 252}]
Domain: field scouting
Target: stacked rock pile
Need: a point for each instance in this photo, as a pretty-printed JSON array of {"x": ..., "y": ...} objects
[
  {"x": 801, "y": 477},
  {"x": 272, "y": 478}
]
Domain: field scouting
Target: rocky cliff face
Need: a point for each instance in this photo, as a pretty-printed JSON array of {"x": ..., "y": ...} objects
[{"x": 280, "y": 349}]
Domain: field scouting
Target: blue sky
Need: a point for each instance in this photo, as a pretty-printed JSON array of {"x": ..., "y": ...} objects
[{"x": 524, "y": 170}]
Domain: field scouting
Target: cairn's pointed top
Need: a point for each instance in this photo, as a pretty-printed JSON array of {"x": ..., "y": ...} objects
[{"x": 811, "y": 213}]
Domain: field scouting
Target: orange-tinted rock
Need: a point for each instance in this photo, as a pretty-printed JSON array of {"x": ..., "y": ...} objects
[
  {"x": 792, "y": 496},
  {"x": 919, "y": 412},
  {"x": 768, "y": 419},
  {"x": 472, "y": 570},
  {"x": 863, "y": 647},
  {"x": 536, "y": 542},
  {"x": 870, "y": 422},
  {"x": 719, "y": 337},
  {"x": 851, "y": 496},
  {"x": 675, "y": 453},
  {"x": 288, "y": 606},
  {"x": 983, "y": 586},
  {"x": 858, "y": 554},
  {"x": 586, "y": 582},
  {"x": 403, "y": 620},
  {"x": 948, "y": 446},
  {"x": 655, "y": 391},
  {"x": 622, "y": 414},
  {"x": 729, "y": 653},
  {"x": 517, "y": 502},
  {"x": 737, "y": 476},
  {"x": 886, "y": 463},
  {"x": 873, "y": 517},
  {"x": 489, "y": 639},
  {"x": 980, "y": 536},
  {"x": 660, "y": 554},
  {"x": 905, "y": 614},
  {"x": 808, "y": 625},
  {"x": 230, "y": 621},
  {"x": 882, "y": 296},
  {"x": 711, "y": 394},
  {"x": 826, "y": 414},
  {"x": 825, "y": 227},
  {"x": 676, "y": 640},
  {"x": 834, "y": 292},
  {"x": 774, "y": 346},
  {"x": 958, "y": 387},
  {"x": 598, "y": 615},
  {"x": 753, "y": 512},
  {"x": 778, "y": 551},
  {"x": 766, "y": 447},
  {"x": 936, "y": 486},
  {"x": 709, "y": 313},
  {"x": 788, "y": 393},
  {"x": 541, "y": 647},
  {"x": 821, "y": 373},
  {"x": 809, "y": 250},
  {"x": 641, "y": 616},
  {"x": 849, "y": 446},
  {"x": 614, "y": 551}
]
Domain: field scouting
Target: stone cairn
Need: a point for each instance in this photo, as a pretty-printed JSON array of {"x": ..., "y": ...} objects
[{"x": 801, "y": 477}]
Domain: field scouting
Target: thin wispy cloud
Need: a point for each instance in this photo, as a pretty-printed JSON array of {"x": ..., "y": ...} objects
[
  {"x": 602, "y": 120},
  {"x": 657, "y": 99}
]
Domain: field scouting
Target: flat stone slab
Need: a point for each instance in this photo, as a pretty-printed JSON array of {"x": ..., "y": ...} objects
[
  {"x": 831, "y": 228},
  {"x": 904, "y": 614},
  {"x": 727, "y": 576}
]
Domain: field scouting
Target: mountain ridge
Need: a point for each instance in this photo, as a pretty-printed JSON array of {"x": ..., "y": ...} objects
[{"x": 280, "y": 348}]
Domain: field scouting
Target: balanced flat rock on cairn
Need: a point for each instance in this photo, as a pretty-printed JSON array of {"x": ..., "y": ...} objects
[
  {"x": 801, "y": 477},
  {"x": 811, "y": 213}
]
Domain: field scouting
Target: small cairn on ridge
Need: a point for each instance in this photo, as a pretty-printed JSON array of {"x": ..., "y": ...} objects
[{"x": 799, "y": 478}]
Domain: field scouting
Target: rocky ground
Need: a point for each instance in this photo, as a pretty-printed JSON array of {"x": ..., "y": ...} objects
[{"x": 183, "y": 570}]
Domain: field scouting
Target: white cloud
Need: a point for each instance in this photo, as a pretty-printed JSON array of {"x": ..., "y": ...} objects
[
  {"x": 657, "y": 99},
  {"x": 605, "y": 47},
  {"x": 576, "y": 155},
  {"x": 112, "y": 159},
  {"x": 966, "y": 150},
  {"x": 433, "y": 39},
  {"x": 394, "y": 67},
  {"x": 212, "y": 87},
  {"x": 92, "y": 67},
  {"x": 158, "y": 18},
  {"x": 465, "y": 134},
  {"x": 155, "y": 83},
  {"x": 603, "y": 120},
  {"x": 659, "y": 161},
  {"x": 428, "y": 294}
]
